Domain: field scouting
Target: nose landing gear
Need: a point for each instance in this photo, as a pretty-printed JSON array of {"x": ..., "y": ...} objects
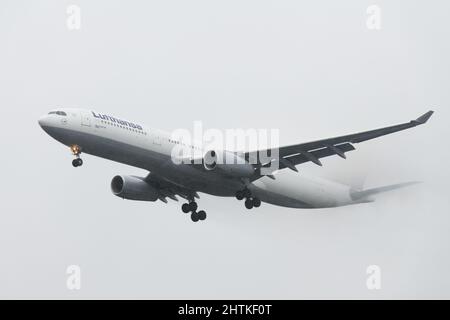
[
  {"x": 192, "y": 207},
  {"x": 77, "y": 162},
  {"x": 250, "y": 201},
  {"x": 76, "y": 151}
]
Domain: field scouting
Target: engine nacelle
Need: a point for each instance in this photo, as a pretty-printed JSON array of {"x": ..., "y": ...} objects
[
  {"x": 133, "y": 188},
  {"x": 229, "y": 163}
]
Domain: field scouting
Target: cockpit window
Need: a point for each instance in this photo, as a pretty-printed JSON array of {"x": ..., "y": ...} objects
[{"x": 59, "y": 113}]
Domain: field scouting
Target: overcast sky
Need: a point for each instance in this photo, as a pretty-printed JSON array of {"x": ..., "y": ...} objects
[{"x": 311, "y": 69}]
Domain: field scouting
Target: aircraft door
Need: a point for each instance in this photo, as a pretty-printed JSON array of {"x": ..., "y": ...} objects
[
  {"x": 85, "y": 119},
  {"x": 156, "y": 139}
]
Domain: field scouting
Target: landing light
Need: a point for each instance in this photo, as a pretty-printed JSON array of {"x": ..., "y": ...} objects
[{"x": 75, "y": 149}]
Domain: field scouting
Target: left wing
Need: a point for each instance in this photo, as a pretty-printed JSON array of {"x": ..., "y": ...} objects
[
  {"x": 167, "y": 189},
  {"x": 290, "y": 156}
]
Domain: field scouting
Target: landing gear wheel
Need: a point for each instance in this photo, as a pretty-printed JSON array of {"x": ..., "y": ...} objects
[
  {"x": 185, "y": 207},
  {"x": 193, "y": 206},
  {"x": 201, "y": 215},
  {"x": 239, "y": 195},
  {"x": 249, "y": 203},
  {"x": 195, "y": 216},
  {"x": 256, "y": 202},
  {"x": 77, "y": 162}
]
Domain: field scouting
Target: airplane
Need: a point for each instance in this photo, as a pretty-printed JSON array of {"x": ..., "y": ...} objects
[{"x": 105, "y": 136}]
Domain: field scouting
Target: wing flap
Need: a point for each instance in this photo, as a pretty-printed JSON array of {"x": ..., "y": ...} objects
[
  {"x": 293, "y": 160},
  {"x": 319, "y": 153}
]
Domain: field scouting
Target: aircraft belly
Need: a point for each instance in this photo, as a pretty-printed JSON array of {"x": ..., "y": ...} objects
[
  {"x": 199, "y": 180},
  {"x": 301, "y": 191}
]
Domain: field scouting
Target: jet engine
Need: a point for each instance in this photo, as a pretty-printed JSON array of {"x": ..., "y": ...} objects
[
  {"x": 229, "y": 163},
  {"x": 133, "y": 188}
]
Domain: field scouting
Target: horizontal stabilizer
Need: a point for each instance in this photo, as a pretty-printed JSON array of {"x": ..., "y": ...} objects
[{"x": 362, "y": 195}]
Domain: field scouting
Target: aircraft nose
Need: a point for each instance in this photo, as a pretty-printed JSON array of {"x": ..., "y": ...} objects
[{"x": 43, "y": 121}]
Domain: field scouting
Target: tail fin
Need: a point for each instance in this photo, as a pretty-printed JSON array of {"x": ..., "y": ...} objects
[{"x": 364, "y": 194}]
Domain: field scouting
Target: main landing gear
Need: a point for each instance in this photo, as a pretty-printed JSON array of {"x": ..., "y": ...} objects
[
  {"x": 192, "y": 207},
  {"x": 250, "y": 201},
  {"x": 76, "y": 151}
]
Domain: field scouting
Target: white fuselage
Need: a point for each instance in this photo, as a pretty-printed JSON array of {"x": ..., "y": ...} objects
[{"x": 151, "y": 149}]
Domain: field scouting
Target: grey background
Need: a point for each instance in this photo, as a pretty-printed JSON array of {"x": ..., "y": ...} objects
[{"x": 311, "y": 69}]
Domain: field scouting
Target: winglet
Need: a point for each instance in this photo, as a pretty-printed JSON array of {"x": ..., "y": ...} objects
[{"x": 424, "y": 118}]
